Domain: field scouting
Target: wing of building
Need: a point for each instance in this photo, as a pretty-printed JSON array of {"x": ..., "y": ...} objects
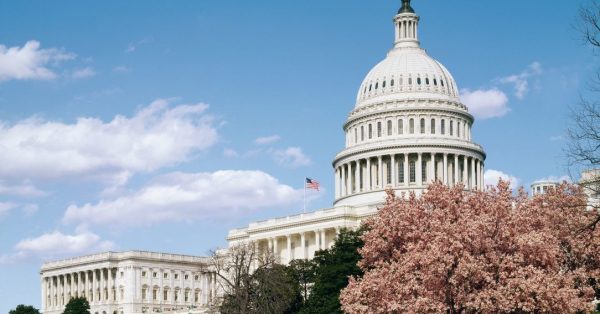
[
  {"x": 129, "y": 282},
  {"x": 407, "y": 129}
]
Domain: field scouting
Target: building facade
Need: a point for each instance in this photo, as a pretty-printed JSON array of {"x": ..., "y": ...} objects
[
  {"x": 408, "y": 128},
  {"x": 129, "y": 282}
]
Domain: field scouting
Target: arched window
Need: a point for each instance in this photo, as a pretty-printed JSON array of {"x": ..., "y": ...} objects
[
  {"x": 383, "y": 84},
  {"x": 400, "y": 126},
  {"x": 378, "y": 129},
  {"x": 442, "y": 82},
  {"x": 411, "y": 126},
  {"x": 389, "y": 127},
  {"x": 435, "y": 82},
  {"x": 451, "y": 128},
  {"x": 427, "y": 80},
  {"x": 418, "y": 80},
  {"x": 443, "y": 127},
  {"x": 432, "y": 126},
  {"x": 412, "y": 171},
  {"x": 370, "y": 131},
  {"x": 422, "y": 126},
  {"x": 362, "y": 133},
  {"x": 410, "y": 81},
  {"x": 376, "y": 85},
  {"x": 458, "y": 129},
  {"x": 370, "y": 87}
]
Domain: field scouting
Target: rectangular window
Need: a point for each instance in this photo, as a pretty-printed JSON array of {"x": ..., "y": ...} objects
[
  {"x": 187, "y": 297},
  {"x": 422, "y": 126},
  {"x": 155, "y": 294},
  {"x": 411, "y": 126},
  {"x": 389, "y": 128},
  {"x": 400, "y": 127},
  {"x": 196, "y": 297},
  {"x": 451, "y": 128},
  {"x": 196, "y": 277},
  {"x": 458, "y": 129},
  {"x": 412, "y": 171},
  {"x": 143, "y": 293},
  {"x": 186, "y": 277},
  {"x": 378, "y": 129},
  {"x": 362, "y": 132},
  {"x": 389, "y": 172},
  {"x": 176, "y": 276},
  {"x": 355, "y": 135},
  {"x": 143, "y": 274},
  {"x": 423, "y": 171},
  {"x": 401, "y": 171},
  {"x": 443, "y": 127},
  {"x": 166, "y": 295},
  {"x": 370, "y": 131},
  {"x": 154, "y": 274},
  {"x": 165, "y": 275},
  {"x": 432, "y": 126}
]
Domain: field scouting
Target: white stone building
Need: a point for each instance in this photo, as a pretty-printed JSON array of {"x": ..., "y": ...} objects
[
  {"x": 541, "y": 187},
  {"x": 129, "y": 282},
  {"x": 407, "y": 129}
]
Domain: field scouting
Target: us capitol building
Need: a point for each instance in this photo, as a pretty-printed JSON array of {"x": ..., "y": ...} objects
[{"x": 407, "y": 129}]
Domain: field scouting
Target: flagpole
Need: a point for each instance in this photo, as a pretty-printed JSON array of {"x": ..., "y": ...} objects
[{"x": 304, "y": 208}]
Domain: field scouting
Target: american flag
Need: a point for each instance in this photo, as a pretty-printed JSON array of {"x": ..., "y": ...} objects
[{"x": 312, "y": 184}]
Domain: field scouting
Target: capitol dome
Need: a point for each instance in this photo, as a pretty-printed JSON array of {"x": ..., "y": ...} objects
[
  {"x": 404, "y": 73},
  {"x": 408, "y": 127}
]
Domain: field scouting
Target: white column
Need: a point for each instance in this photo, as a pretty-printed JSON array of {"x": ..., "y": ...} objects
[
  {"x": 289, "y": 248},
  {"x": 110, "y": 286},
  {"x": 418, "y": 168},
  {"x": 303, "y": 245},
  {"x": 445, "y": 172},
  {"x": 275, "y": 248},
  {"x": 344, "y": 185},
  {"x": 324, "y": 239},
  {"x": 357, "y": 177},
  {"x": 473, "y": 186},
  {"x": 406, "y": 174},
  {"x": 380, "y": 172},
  {"x": 394, "y": 176},
  {"x": 317, "y": 242},
  {"x": 368, "y": 186},
  {"x": 431, "y": 169},
  {"x": 44, "y": 297},
  {"x": 465, "y": 176},
  {"x": 337, "y": 182},
  {"x": 455, "y": 181}
]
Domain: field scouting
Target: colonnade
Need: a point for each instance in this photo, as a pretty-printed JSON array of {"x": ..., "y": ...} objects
[
  {"x": 97, "y": 286},
  {"x": 407, "y": 170},
  {"x": 309, "y": 242}
]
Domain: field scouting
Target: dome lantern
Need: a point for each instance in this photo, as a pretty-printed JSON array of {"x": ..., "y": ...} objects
[{"x": 406, "y": 23}]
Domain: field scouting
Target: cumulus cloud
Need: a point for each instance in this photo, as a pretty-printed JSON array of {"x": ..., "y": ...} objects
[
  {"x": 23, "y": 189},
  {"x": 292, "y": 157},
  {"x": 83, "y": 73},
  {"x": 267, "y": 140},
  {"x": 55, "y": 245},
  {"x": 491, "y": 177},
  {"x": 521, "y": 81},
  {"x": 188, "y": 197},
  {"x": 485, "y": 104},
  {"x": 5, "y": 207},
  {"x": 30, "y": 62},
  {"x": 156, "y": 136}
]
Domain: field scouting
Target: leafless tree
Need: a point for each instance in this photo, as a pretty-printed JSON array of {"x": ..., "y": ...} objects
[{"x": 583, "y": 134}]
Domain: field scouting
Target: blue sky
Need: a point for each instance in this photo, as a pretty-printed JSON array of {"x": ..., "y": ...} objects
[{"x": 160, "y": 125}]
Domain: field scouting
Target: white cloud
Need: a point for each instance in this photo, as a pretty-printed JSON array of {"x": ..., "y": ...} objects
[
  {"x": 485, "y": 104},
  {"x": 156, "y": 136},
  {"x": 30, "y": 209},
  {"x": 230, "y": 153},
  {"x": 491, "y": 177},
  {"x": 24, "y": 189},
  {"x": 30, "y": 62},
  {"x": 132, "y": 46},
  {"x": 267, "y": 140},
  {"x": 83, "y": 73},
  {"x": 122, "y": 69},
  {"x": 521, "y": 81},
  {"x": 292, "y": 157},
  {"x": 5, "y": 207},
  {"x": 188, "y": 197}
]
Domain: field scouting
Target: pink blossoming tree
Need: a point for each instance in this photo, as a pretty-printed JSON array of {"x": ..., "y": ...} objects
[{"x": 452, "y": 251}]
